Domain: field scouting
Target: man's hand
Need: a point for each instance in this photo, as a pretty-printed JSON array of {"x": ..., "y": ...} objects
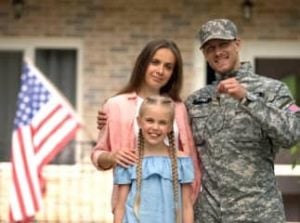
[
  {"x": 101, "y": 120},
  {"x": 233, "y": 88}
]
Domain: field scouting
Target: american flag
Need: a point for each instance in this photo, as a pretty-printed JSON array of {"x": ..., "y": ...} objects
[{"x": 43, "y": 125}]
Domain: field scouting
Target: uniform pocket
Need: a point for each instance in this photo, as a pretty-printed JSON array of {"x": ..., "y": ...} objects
[
  {"x": 245, "y": 128},
  {"x": 199, "y": 115}
]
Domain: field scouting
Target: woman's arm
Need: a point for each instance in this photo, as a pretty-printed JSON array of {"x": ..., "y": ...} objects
[
  {"x": 107, "y": 152},
  {"x": 119, "y": 210},
  {"x": 101, "y": 155},
  {"x": 102, "y": 160},
  {"x": 187, "y": 204}
]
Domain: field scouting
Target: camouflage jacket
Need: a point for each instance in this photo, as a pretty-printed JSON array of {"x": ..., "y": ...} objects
[{"x": 238, "y": 143}]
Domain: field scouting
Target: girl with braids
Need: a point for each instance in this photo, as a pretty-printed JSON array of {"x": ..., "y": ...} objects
[
  {"x": 157, "y": 71},
  {"x": 158, "y": 188}
]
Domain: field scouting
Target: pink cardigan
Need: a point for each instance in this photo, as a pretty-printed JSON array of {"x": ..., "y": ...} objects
[{"x": 118, "y": 133}]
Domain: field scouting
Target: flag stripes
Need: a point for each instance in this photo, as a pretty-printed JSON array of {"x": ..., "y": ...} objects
[{"x": 44, "y": 124}]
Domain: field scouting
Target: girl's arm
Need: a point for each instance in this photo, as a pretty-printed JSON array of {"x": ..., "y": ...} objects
[
  {"x": 119, "y": 210},
  {"x": 187, "y": 204}
]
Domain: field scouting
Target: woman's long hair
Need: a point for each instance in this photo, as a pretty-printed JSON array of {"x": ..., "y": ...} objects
[{"x": 174, "y": 85}]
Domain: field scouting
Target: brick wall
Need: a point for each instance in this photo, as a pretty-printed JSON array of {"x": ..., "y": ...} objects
[{"x": 113, "y": 32}]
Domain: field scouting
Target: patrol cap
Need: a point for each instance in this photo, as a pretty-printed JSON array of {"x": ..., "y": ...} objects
[{"x": 217, "y": 29}]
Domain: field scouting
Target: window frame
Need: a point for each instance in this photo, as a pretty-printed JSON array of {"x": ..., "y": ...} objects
[{"x": 30, "y": 45}]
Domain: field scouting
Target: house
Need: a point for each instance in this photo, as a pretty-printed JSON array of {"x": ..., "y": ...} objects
[{"x": 88, "y": 47}]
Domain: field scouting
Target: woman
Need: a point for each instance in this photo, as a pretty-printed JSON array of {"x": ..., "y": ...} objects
[{"x": 157, "y": 70}]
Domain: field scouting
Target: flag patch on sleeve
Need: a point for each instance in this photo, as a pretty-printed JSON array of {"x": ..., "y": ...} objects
[{"x": 293, "y": 108}]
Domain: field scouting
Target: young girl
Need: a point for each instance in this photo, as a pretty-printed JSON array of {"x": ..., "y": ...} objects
[{"x": 158, "y": 188}]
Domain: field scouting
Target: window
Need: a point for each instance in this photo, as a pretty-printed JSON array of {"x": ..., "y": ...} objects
[
  {"x": 59, "y": 64},
  {"x": 10, "y": 67}
]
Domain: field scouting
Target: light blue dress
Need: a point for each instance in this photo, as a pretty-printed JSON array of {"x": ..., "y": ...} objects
[{"x": 157, "y": 198}]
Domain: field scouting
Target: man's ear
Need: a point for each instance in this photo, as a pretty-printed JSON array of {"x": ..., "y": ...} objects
[{"x": 238, "y": 43}]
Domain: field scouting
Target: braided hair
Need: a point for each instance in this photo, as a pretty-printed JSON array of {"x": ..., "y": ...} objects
[{"x": 159, "y": 101}]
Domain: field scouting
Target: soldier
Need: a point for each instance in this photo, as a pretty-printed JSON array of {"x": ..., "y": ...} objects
[{"x": 239, "y": 123}]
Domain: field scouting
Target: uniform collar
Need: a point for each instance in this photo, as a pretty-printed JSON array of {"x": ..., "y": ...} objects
[{"x": 244, "y": 70}]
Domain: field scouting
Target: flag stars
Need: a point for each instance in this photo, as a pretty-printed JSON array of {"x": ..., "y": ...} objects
[
  {"x": 24, "y": 88},
  {"x": 32, "y": 96}
]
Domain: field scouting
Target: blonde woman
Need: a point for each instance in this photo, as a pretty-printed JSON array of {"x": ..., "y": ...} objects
[{"x": 158, "y": 187}]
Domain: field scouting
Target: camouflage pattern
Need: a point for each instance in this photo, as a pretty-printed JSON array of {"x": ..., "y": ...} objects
[
  {"x": 217, "y": 29},
  {"x": 237, "y": 144}
]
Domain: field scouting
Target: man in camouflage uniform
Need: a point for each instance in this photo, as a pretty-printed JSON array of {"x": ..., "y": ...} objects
[{"x": 239, "y": 123}]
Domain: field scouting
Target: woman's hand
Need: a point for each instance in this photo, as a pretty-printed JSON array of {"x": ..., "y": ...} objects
[{"x": 124, "y": 158}]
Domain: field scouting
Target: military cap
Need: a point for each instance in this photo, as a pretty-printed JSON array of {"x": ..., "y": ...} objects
[{"x": 217, "y": 29}]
